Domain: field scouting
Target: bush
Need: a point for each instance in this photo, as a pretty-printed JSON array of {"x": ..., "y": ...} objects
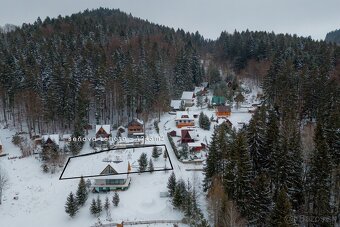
[
  {"x": 17, "y": 139},
  {"x": 172, "y": 143}
]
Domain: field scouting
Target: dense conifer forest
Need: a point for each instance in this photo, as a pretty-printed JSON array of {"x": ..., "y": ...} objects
[{"x": 104, "y": 66}]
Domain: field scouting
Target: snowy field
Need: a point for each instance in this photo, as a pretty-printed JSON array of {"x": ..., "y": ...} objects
[{"x": 91, "y": 165}]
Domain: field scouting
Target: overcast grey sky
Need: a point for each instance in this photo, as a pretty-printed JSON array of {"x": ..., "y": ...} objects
[{"x": 302, "y": 17}]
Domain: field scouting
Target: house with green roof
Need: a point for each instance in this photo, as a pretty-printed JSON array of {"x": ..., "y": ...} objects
[{"x": 218, "y": 101}]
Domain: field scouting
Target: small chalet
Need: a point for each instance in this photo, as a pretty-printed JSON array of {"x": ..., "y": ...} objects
[
  {"x": 183, "y": 119},
  {"x": 177, "y": 105},
  {"x": 223, "y": 111},
  {"x": 51, "y": 139},
  {"x": 188, "y": 98},
  {"x": 136, "y": 128},
  {"x": 187, "y": 136},
  {"x": 199, "y": 90},
  {"x": 115, "y": 177},
  {"x": 218, "y": 101},
  {"x": 196, "y": 146},
  {"x": 103, "y": 131}
]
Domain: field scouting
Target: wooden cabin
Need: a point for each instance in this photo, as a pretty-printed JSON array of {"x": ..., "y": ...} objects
[
  {"x": 183, "y": 119},
  {"x": 223, "y": 111},
  {"x": 51, "y": 139},
  {"x": 135, "y": 128},
  {"x": 103, "y": 131},
  {"x": 187, "y": 136},
  {"x": 115, "y": 177},
  {"x": 188, "y": 97}
]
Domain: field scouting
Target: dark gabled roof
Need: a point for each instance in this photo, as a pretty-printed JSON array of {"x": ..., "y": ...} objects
[
  {"x": 135, "y": 122},
  {"x": 223, "y": 109},
  {"x": 108, "y": 170}
]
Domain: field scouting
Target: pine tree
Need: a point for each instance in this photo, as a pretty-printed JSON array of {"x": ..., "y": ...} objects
[
  {"x": 172, "y": 184},
  {"x": 261, "y": 202},
  {"x": 282, "y": 213},
  {"x": 150, "y": 166},
  {"x": 143, "y": 162},
  {"x": 115, "y": 199},
  {"x": 256, "y": 137},
  {"x": 319, "y": 176},
  {"x": 212, "y": 159},
  {"x": 204, "y": 121},
  {"x": 179, "y": 194},
  {"x": 82, "y": 193},
  {"x": 243, "y": 178},
  {"x": 155, "y": 153},
  {"x": 199, "y": 100},
  {"x": 94, "y": 207},
  {"x": 71, "y": 207},
  {"x": 99, "y": 206},
  {"x": 107, "y": 206},
  {"x": 184, "y": 151}
]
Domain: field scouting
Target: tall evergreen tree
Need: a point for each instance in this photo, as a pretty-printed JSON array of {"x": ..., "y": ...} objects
[
  {"x": 319, "y": 177},
  {"x": 171, "y": 184},
  {"x": 81, "y": 193},
  {"x": 115, "y": 199},
  {"x": 71, "y": 207},
  {"x": 282, "y": 214}
]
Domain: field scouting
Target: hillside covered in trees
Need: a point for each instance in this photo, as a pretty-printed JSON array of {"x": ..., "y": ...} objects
[
  {"x": 333, "y": 37},
  {"x": 60, "y": 74}
]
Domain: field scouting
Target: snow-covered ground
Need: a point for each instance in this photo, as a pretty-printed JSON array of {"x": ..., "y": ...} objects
[{"x": 41, "y": 197}]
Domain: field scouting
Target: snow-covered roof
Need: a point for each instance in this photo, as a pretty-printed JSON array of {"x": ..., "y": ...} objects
[
  {"x": 204, "y": 84},
  {"x": 176, "y": 104},
  {"x": 187, "y": 95},
  {"x": 195, "y": 144},
  {"x": 107, "y": 128},
  {"x": 67, "y": 136},
  {"x": 54, "y": 137},
  {"x": 193, "y": 135},
  {"x": 136, "y": 120},
  {"x": 198, "y": 89},
  {"x": 184, "y": 115}
]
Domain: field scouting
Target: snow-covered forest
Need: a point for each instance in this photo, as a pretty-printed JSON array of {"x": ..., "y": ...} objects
[{"x": 60, "y": 75}]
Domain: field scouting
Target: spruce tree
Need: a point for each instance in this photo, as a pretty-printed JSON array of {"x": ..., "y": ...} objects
[
  {"x": 261, "y": 202},
  {"x": 256, "y": 136},
  {"x": 172, "y": 184},
  {"x": 107, "y": 206},
  {"x": 99, "y": 206},
  {"x": 282, "y": 214},
  {"x": 143, "y": 162},
  {"x": 179, "y": 194},
  {"x": 71, "y": 207},
  {"x": 243, "y": 178},
  {"x": 115, "y": 199},
  {"x": 319, "y": 176},
  {"x": 94, "y": 208},
  {"x": 155, "y": 153},
  {"x": 82, "y": 193},
  {"x": 150, "y": 166}
]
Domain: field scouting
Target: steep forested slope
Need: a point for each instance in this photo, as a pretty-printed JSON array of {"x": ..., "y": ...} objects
[
  {"x": 103, "y": 61},
  {"x": 333, "y": 37}
]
